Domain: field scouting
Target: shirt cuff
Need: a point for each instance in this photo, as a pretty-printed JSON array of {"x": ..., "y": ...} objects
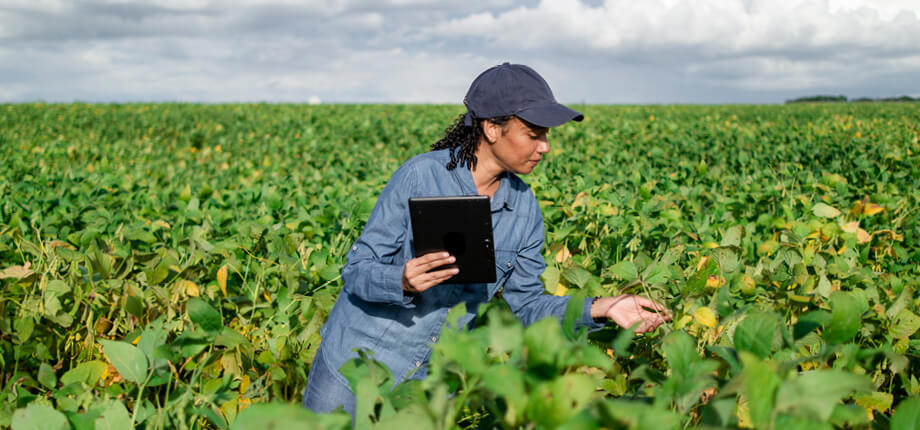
[
  {"x": 392, "y": 275},
  {"x": 587, "y": 321}
]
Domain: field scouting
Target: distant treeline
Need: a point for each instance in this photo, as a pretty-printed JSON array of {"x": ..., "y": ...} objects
[{"x": 843, "y": 99}]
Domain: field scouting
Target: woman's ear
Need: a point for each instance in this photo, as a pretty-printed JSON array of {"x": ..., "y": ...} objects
[{"x": 490, "y": 131}]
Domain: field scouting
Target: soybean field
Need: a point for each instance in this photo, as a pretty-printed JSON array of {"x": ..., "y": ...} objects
[{"x": 170, "y": 265}]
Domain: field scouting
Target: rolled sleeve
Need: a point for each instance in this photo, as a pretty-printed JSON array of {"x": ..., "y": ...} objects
[
  {"x": 524, "y": 291},
  {"x": 374, "y": 265}
]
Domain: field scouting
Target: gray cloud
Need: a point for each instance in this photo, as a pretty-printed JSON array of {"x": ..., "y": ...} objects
[{"x": 595, "y": 51}]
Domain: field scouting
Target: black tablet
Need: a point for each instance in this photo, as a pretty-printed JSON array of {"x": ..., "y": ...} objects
[{"x": 460, "y": 225}]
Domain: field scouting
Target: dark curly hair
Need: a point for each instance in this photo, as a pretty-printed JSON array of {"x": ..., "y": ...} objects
[{"x": 463, "y": 139}]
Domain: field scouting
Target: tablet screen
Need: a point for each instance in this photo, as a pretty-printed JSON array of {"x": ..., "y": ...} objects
[{"x": 460, "y": 225}]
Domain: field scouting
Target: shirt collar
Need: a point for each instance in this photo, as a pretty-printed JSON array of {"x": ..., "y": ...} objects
[{"x": 502, "y": 199}]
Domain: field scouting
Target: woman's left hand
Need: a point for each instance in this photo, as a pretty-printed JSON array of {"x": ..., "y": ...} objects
[{"x": 629, "y": 310}]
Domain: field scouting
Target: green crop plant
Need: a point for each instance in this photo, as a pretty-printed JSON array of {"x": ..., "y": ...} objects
[{"x": 170, "y": 265}]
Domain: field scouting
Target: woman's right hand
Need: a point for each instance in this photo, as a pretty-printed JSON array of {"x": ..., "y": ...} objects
[{"x": 416, "y": 278}]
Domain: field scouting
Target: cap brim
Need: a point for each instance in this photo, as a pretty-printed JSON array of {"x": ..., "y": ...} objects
[{"x": 550, "y": 115}]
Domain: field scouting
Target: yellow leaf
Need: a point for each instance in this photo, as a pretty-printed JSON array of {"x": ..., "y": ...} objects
[
  {"x": 743, "y": 412},
  {"x": 161, "y": 223},
  {"x": 578, "y": 199},
  {"x": 222, "y": 279},
  {"x": 244, "y": 384},
  {"x": 563, "y": 254},
  {"x": 705, "y": 316},
  {"x": 713, "y": 281},
  {"x": 682, "y": 322},
  {"x": 136, "y": 339},
  {"x": 710, "y": 245},
  {"x": 747, "y": 284},
  {"x": 267, "y": 297},
  {"x": 560, "y": 290},
  {"x": 872, "y": 209},
  {"x": 191, "y": 288}
]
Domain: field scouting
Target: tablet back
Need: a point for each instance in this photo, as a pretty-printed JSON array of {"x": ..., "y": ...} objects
[{"x": 461, "y": 225}]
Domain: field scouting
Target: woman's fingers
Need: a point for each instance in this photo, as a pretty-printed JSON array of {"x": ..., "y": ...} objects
[
  {"x": 656, "y": 309},
  {"x": 430, "y": 261},
  {"x": 434, "y": 278},
  {"x": 418, "y": 275}
]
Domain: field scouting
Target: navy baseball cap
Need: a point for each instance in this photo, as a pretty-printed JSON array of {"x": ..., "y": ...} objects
[{"x": 515, "y": 89}]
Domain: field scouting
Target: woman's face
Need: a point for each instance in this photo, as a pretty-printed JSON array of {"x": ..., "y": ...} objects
[{"x": 517, "y": 147}]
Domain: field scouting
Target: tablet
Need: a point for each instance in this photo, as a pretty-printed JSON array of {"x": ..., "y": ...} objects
[{"x": 460, "y": 225}]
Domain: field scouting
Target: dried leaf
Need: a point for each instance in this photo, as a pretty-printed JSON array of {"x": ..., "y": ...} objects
[
  {"x": 17, "y": 272},
  {"x": 563, "y": 254},
  {"x": 862, "y": 236}
]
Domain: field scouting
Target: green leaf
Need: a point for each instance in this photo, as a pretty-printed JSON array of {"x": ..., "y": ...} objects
[
  {"x": 907, "y": 415},
  {"x": 230, "y": 338},
  {"x": 550, "y": 278},
  {"x": 732, "y": 236},
  {"x": 57, "y": 287},
  {"x": 809, "y": 321},
  {"x": 825, "y": 211},
  {"x": 623, "y": 340},
  {"x": 755, "y": 334},
  {"x": 87, "y": 373},
  {"x": 760, "y": 384},
  {"x": 46, "y": 376},
  {"x": 680, "y": 352},
  {"x": 39, "y": 417},
  {"x": 625, "y": 270},
  {"x": 23, "y": 328},
  {"x": 576, "y": 275},
  {"x": 846, "y": 317},
  {"x": 657, "y": 274},
  {"x": 288, "y": 416},
  {"x": 135, "y": 306},
  {"x": 553, "y": 403},
  {"x": 573, "y": 311},
  {"x": 129, "y": 361},
  {"x": 200, "y": 312},
  {"x": 508, "y": 382},
  {"x": 849, "y": 416},
  {"x": 905, "y": 324},
  {"x": 639, "y": 416},
  {"x": 788, "y": 422},
  {"x": 114, "y": 417},
  {"x": 814, "y": 394}
]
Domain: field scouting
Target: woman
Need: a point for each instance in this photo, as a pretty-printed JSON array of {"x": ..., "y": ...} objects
[{"x": 390, "y": 303}]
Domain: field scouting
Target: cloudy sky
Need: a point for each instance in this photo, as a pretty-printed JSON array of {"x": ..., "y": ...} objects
[{"x": 428, "y": 51}]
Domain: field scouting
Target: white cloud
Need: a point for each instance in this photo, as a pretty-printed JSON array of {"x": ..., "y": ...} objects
[
  {"x": 429, "y": 50},
  {"x": 766, "y": 44},
  {"x": 712, "y": 27}
]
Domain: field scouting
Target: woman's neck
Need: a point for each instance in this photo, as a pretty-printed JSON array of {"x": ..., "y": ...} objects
[{"x": 487, "y": 174}]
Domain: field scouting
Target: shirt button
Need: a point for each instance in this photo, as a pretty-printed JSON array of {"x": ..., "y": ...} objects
[
  {"x": 418, "y": 363},
  {"x": 354, "y": 248},
  {"x": 509, "y": 264},
  {"x": 434, "y": 339}
]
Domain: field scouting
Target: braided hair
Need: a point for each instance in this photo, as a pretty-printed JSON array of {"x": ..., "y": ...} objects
[{"x": 462, "y": 140}]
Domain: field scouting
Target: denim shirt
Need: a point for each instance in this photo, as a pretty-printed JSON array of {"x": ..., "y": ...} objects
[{"x": 373, "y": 312}]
